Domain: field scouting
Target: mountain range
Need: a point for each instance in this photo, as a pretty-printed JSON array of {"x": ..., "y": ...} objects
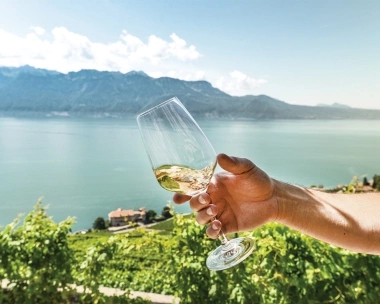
[{"x": 90, "y": 92}]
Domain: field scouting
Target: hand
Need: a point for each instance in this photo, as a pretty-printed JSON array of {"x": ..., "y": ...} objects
[{"x": 240, "y": 198}]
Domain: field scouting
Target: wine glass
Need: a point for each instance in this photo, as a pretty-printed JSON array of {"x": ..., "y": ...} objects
[{"x": 183, "y": 161}]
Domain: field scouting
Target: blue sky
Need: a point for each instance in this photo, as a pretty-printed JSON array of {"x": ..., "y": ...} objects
[{"x": 301, "y": 52}]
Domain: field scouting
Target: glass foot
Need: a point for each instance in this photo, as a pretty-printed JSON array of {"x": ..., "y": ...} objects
[{"x": 230, "y": 254}]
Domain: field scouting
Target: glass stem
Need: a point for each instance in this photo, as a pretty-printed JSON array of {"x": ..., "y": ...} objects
[{"x": 222, "y": 238}]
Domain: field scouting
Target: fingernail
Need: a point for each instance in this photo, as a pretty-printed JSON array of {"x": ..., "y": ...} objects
[
  {"x": 209, "y": 211},
  {"x": 214, "y": 226},
  {"x": 202, "y": 200}
]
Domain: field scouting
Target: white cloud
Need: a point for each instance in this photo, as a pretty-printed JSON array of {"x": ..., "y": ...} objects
[
  {"x": 38, "y": 30},
  {"x": 178, "y": 49},
  {"x": 238, "y": 83},
  {"x": 65, "y": 51}
]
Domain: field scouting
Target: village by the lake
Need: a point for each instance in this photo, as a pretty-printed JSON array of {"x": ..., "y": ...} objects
[{"x": 123, "y": 220}]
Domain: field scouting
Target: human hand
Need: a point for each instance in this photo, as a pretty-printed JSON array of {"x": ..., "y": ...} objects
[{"x": 240, "y": 198}]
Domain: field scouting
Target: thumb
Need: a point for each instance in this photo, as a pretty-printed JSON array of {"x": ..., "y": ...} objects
[{"x": 235, "y": 165}]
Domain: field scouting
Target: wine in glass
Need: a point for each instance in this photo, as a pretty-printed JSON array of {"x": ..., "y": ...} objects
[{"x": 183, "y": 161}]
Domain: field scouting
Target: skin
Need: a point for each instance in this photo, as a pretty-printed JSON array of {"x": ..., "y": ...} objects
[{"x": 243, "y": 197}]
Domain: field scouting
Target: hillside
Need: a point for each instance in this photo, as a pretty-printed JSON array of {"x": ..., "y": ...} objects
[{"x": 88, "y": 92}]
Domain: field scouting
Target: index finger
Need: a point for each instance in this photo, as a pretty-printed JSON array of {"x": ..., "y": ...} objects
[{"x": 180, "y": 198}]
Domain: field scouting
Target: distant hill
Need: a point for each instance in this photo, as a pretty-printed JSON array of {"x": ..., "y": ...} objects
[
  {"x": 89, "y": 92},
  {"x": 334, "y": 105}
]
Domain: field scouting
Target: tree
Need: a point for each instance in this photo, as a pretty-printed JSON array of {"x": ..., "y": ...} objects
[
  {"x": 166, "y": 212},
  {"x": 376, "y": 182},
  {"x": 150, "y": 216},
  {"x": 365, "y": 181},
  {"x": 99, "y": 224}
]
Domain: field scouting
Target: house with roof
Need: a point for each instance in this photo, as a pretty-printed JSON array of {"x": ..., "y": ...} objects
[{"x": 121, "y": 217}]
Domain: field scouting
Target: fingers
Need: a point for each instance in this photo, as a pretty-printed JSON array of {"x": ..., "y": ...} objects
[
  {"x": 235, "y": 165},
  {"x": 180, "y": 198},
  {"x": 200, "y": 201},
  {"x": 207, "y": 214},
  {"x": 213, "y": 230}
]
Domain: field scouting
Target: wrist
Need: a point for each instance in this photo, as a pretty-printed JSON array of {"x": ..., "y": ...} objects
[{"x": 290, "y": 198}]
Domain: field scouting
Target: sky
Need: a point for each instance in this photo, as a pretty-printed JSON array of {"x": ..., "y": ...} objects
[{"x": 301, "y": 52}]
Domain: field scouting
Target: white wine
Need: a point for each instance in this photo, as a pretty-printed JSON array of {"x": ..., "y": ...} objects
[{"x": 183, "y": 179}]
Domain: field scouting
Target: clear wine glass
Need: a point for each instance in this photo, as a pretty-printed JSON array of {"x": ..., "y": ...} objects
[{"x": 183, "y": 161}]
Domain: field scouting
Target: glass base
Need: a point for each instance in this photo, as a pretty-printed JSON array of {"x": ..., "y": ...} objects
[{"x": 230, "y": 254}]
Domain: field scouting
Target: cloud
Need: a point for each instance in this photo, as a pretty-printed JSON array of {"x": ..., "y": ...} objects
[
  {"x": 38, "y": 30},
  {"x": 65, "y": 51},
  {"x": 238, "y": 83}
]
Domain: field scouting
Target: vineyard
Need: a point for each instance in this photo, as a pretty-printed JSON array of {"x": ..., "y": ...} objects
[{"x": 41, "y": 259}]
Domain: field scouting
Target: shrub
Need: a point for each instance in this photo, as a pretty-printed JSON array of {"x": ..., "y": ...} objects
[
  {"x": 285, "y": 267},
  {"x": 36, "y": 259},
  {"x": 40, "y": 267}
]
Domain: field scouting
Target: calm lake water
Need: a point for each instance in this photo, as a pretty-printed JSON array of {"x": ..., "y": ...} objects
[{"x": 87, "y": 167}]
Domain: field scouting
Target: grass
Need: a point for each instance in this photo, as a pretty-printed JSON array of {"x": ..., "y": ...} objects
[
  {"x": 167, "y": 225},
  {"x": 81, "y": 242}
]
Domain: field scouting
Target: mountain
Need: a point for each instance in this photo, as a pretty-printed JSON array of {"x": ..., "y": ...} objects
[
  {"x": 334, "y": 105},
  {"x": 89, "y": 92}
]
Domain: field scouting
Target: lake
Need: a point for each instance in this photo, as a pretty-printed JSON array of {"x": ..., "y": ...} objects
[{"x": 88, "y": 167}]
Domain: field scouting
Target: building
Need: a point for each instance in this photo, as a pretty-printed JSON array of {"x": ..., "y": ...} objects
[{"x": 121, "y": 217}]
